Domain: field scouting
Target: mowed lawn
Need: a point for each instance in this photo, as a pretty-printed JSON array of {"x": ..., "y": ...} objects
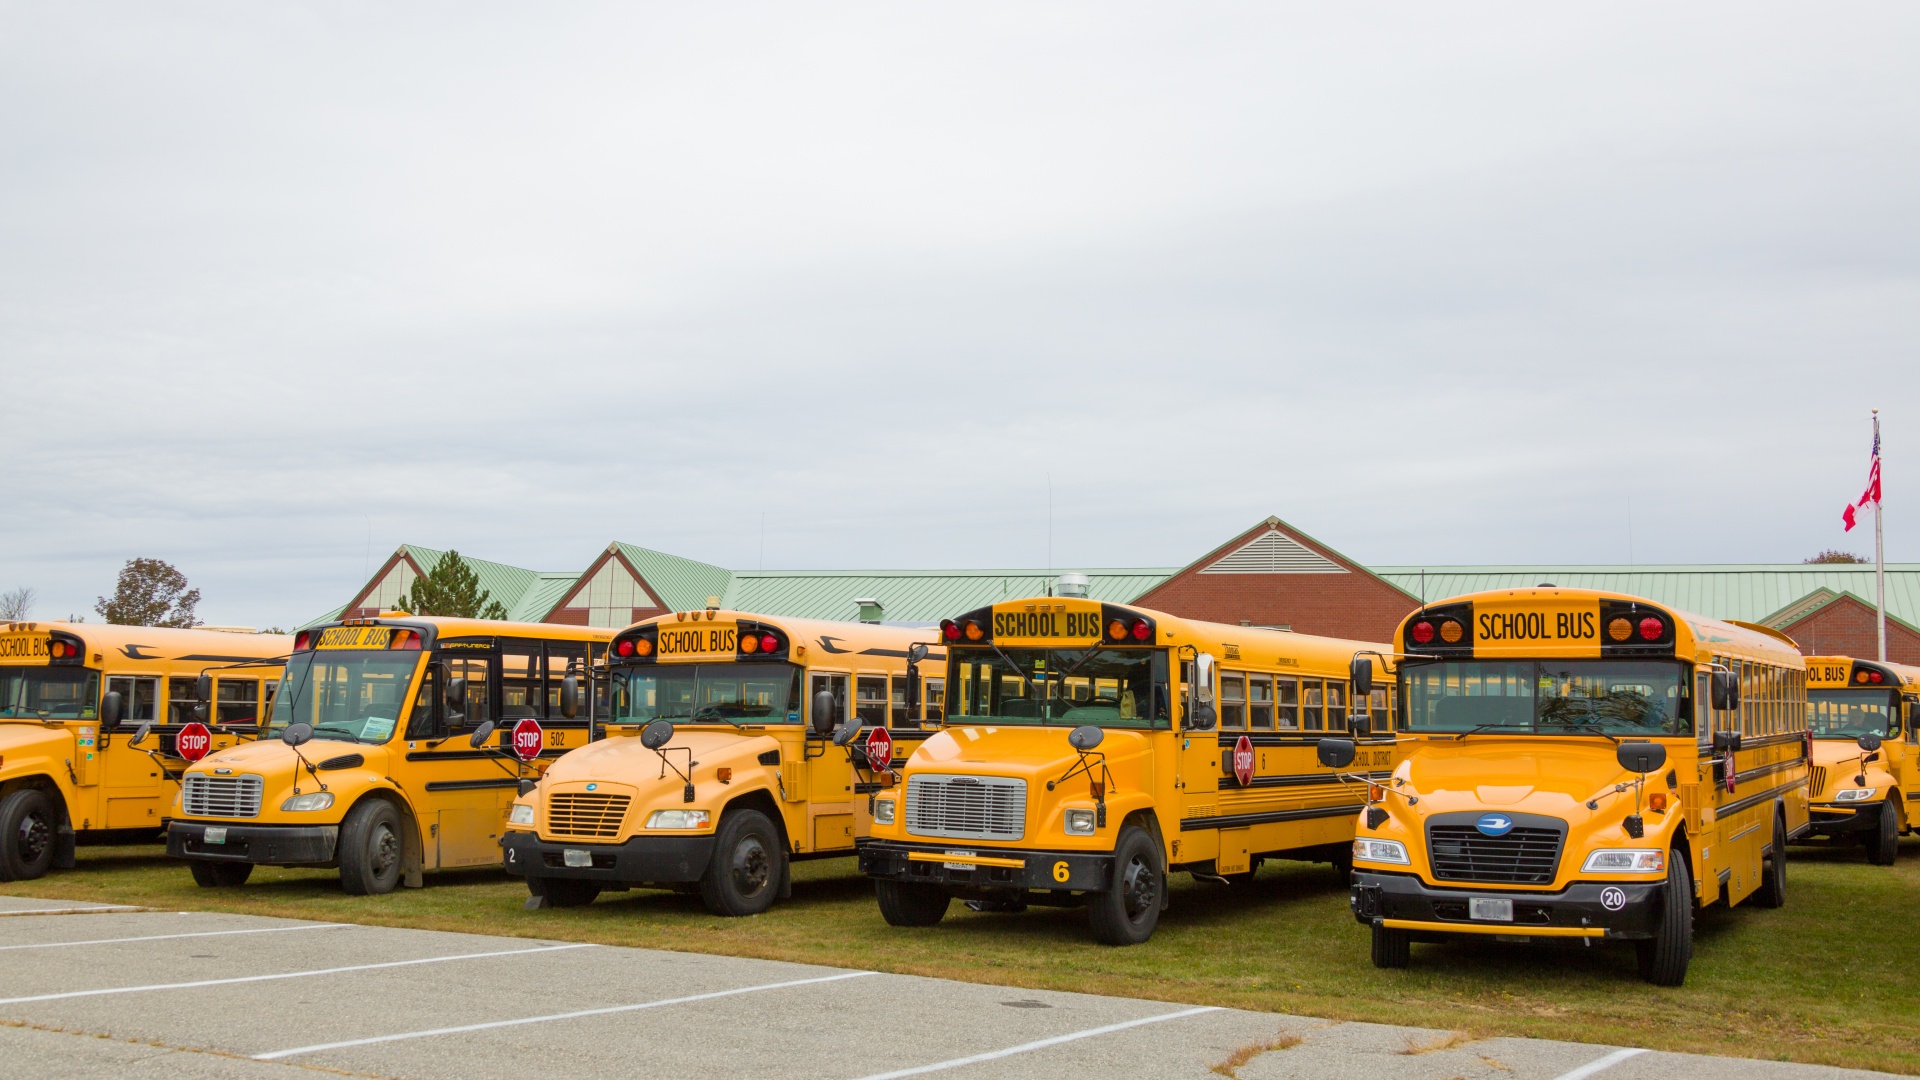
[{"x": 1829, "y": 979}]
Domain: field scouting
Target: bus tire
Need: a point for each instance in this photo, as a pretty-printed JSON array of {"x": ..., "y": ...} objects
[
  {"x": 1342, "y": 861},
  {"x": 1663, "y": 959},
  {"x": 909, "y": 903},
  {"x": 1883, "y": 842},
  {"x": 1773, "y": 879},
  {"x": 743, "y": 877},
  {"x": 563, "y": 892},
  {"x": 219, "y": 875},
  {"x": 370, "y": 849},
  {"x": 1127, "y": 913},
  {"x": 1392, "y": 948},
  {"x": 28, "y": 822}
]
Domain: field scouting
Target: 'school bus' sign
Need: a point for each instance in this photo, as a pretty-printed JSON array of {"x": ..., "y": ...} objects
[{"x": 707, "y": 641}]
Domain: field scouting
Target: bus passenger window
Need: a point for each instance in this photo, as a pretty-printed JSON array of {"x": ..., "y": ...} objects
[
  {"x": 519, "y": 690},
  {"x": 897, "y": 703},
  {"x": 870, "y": 700},
  {"x": 1336, "y": 706},
  {"x": 1260, "y": 702},
  {"x": 1233, "y": 702},
  {"x": 933, "y": 694},
  {"x": 180, "y": 700},
  {"x": 478, "y": 700},
  {"x": 832, "y": 684},
  {"x": 138, "y": 694},
  {"x": 237, "y": 701},
  {"x": 1315, "y": 716},
  {"x": 1287, "y": 703},
  {"x": 1377, "y": 709}
]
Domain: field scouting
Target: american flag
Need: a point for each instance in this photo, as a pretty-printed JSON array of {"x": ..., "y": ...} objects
[{"x": 1872, "y": 494}]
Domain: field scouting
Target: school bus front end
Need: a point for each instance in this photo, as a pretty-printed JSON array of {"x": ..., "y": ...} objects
[
  {"x": 1859, "y": 718},
  {"x": 1560, "y": 784}
]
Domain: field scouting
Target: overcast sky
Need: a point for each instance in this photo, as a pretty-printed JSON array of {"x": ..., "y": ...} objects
[{"x": 284, "y": 286}]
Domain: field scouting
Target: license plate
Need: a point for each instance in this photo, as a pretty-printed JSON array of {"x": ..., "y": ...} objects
[
  {"x": 1481, "y": 907},
  {"x": 216, "y": 834},
  {"x": 958, "y": 865},
  {"x": 576, "y": 857}
]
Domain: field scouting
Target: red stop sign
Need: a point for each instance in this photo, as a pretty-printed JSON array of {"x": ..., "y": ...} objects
[
  {"x": 879, "y": 750},
  {"x": 193, "y": 742},
  {"x": 528, "y": 739},
  {"x": 1243, "y": 760}
]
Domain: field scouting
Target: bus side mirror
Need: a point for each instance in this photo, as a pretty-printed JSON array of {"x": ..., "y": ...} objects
[
  {"x": 112, "y": 707},
  {"x": 1869, "y": 742},
  {"x": 1085, "y": 737},
  {"x": 1724, "y": 741},
  {"x": 1641, "y": 757},
  {"x": 569, "y": 697},
  {"x": 456, "y": 699},
  {"x": 657, "y": 734},
  {"x": 479, "y": 736},
  {"x": 1203, "y": 678},
  {"x": 916, "y": 653},
  {"x": 1335, "y": 753},
  {"x": 1360, "y": 725},
  {"x": 823, "y": 710},
  {"x": 1203, "y": 718},
  {"x": 141, "y": 735},
  {"x": 203, "y": 688},
  {"x": 1726, "y": 691},
  {"x": 1361, "y": 675},
  {"x": 296, "y": 734}
]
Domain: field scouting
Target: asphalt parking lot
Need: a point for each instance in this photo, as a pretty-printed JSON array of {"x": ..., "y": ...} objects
[{"x": 91, "y": 990}]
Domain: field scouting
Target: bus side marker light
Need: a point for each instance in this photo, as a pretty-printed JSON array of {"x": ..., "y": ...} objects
[
  {"x": 1658, "y": 801},
  {"x": 1376, "y": 793},
  {"x": 723, "y": 774}
]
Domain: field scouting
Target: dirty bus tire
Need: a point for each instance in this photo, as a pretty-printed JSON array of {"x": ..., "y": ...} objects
[
  {"x": 1883, "y": 843},
  {"x": 371, "y": 851},
  {"x": 1663, "y": 960},
  {"x": 219, "y": 875},
  {"x": 28, "y": 822},
  {"x": 907, "y": 903},
  {"x": 1773, "y": 880},
  {"x": 743, "y": 877},
  {"x": 564, "y": 892},
  {"x": 1391, "y": 948},
  {"x": 1128, "y": 911}
]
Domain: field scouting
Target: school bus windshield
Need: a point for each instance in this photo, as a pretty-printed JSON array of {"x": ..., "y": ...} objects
[
  {"x": 1548, "y": 697},
  {"x": 52, "y": 693},
  {"x": 705, "y": 693},
  {"x": 1849, "y": 714},
  {"x": 1105, "y": 687},
  {"x": 348, "y": 695}
]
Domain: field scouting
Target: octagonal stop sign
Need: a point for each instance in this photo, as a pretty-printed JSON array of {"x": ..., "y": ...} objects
[
  {"x": 879, "y": 750},
  {"x": 193, "y": 742},
  {"x": 528, "y": 739},
  {"x": 1243, "y": 760}
]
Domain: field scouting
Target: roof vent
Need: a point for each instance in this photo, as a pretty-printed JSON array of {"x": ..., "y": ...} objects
[
  {"x": 1274, "y": 552},
  {"x": 870, "y": 609},
  {"x": 1074, "y": 585}
]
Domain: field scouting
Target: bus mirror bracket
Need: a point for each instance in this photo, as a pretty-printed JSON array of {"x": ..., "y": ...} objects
[
  {"x": 1335, "y": 753},
  {"x": 1724, "y": 741},
  {"x": 916, "y": 652},
  {"x": 1360, "y": 726}
]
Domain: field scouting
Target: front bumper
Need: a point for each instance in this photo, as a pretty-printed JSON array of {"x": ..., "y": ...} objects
[
  {"x": 1584, "y": 909},
  {"x": 961, "y": 866},
  {"x": 643, "y": 859},
  {"x": 262, "y": 845},
  {"x": 1832, "y": 819}
]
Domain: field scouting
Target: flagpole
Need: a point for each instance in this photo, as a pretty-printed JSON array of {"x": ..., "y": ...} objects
[{"x": 1879, "y": 555}]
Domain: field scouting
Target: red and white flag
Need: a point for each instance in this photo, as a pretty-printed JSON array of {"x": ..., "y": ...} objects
[{"x": 1872, "y": 495}]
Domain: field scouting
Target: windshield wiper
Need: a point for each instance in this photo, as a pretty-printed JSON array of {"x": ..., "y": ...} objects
[
  {"x": 712, "y": 713},
  {"x": 1492, "y": 727},
  {"x": 348, "y": 732}
]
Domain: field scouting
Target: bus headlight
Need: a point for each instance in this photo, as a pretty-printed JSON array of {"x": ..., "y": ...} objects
[
  {"x": 883, "y": 811},
  {"x": 677, "y": 819},
  {"x": 1625, "y": 861},
  {"x": 522, "y": 814},
  {"x": 1854, "y": 794},
  {"x": 1079, "y": 823},
  {"x": 317, "y": 800},
  {"x": 1387, "y": 851}
]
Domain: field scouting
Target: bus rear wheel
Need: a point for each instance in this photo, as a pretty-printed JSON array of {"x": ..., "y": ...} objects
[
  {"x": 909, "y": 903},
  {"x": 1392, "y": 948},
  {"x": 219, "y": 875},
  {"x": 1127, "y": 913},
  {"x": 743, "y": 876},
  {"x": 1663, "y": 958},
  {"x": 370, "y": 849},
  {"x": 1773, "y": 879},
  {"x": 27, "y": 825},
  {"x": 1883, "y": 841}
]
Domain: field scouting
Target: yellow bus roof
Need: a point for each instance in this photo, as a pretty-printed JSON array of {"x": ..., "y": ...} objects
[
  {"x": 1527, "y": 622},
  {"x": 1834, "y": 672},
  {"x": 447, "y": 626},
  {"x": 831, "y": 638},
  {"x": 110, "y": 643}
]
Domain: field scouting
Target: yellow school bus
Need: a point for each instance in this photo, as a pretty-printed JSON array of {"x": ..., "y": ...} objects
[
  {"x": 1865, "y": 774},
  {"x": 1092, "y": 748},
  {"x": 1581, "y": 765},
  {"x": 72, "y": 698},
  {"x": 388, "y": 751},
  {"x": 733, "y": 750}
]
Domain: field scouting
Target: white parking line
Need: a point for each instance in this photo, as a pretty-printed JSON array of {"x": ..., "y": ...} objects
[
  {"x": 1600, "y": 1064},
  {"x": 1040, "y": 1044},
  {"x": 102, "y": 909},
  {"x": 170, "y": 937},
  {"x": 556, "y": 1016},
  {"x": 285, "y": 975}
]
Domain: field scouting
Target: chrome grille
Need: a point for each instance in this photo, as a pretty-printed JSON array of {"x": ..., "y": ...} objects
[
  {"x": 967, "y": 807},
  {"x": 221, "y": 796},
  {"x": 1817, "y": 781},
  {"x": 1521, "y": 857},
  {"x": 586, "y": 814}
]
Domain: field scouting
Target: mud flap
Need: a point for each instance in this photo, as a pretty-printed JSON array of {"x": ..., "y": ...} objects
[
  {"x": 786, "y": 879},
  {"x": 63, "y": 844},
  {"x": 413, "y": 856}
]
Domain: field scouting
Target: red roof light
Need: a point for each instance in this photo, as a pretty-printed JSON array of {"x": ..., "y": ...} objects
[
  {"x": 1651, "y": 628},
  {"x": 769, "y": 643},
  {"x": 625, "y": 647},
  {"x": 1141, "y": 631},
  {"x": 949, "y": 630},
  {"x": 1422, "y": 632}
]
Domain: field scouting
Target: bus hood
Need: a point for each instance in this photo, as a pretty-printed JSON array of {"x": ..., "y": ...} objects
[
  {"x": 268, "y": 757},
  {"x": 1843, "y": 752},
  {"x": 625, "y": 759},
  {"x": 1033, "y": 753},
  {"x": 33, "y": 746},
  {"x": 1514, "y": 774}
]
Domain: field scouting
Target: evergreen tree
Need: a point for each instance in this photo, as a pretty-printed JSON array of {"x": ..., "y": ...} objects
[
  {"x": 452, "y": 589},
  {"x": 150, "y": 592}
]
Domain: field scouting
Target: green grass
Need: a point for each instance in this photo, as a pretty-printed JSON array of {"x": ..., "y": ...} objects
[{"x": 1827, "y": 980}]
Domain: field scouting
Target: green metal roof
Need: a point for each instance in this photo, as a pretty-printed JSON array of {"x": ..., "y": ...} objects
[
  {"x": 914, "y": 596},
  {"x": 1749, "y": 592},
  {"x": 680, "y": 584}
]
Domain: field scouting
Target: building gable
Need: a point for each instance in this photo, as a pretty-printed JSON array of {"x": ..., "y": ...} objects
[
  {"x": 1842, "y": 624},
  {"x": 1273, "y": 552},
  {"x": 612, "y": 593},
  {"x": 394, "y": 579}
]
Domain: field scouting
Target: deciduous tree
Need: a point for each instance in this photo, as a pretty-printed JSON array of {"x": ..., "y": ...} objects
[
  {"x": 150, "y": 592},
  {"x": 17, "y": 604}
]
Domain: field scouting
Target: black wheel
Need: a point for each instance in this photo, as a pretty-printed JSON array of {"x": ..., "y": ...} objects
[
  {"x": 1127, "y": 913},
  {"x": 563, "y": 892},
  {"x": 219, "y": 875},
  {"x": 744, "y": 875},
  {"x": 1343, "y": 863},
  {"x": 1391, "y": 948},
  {"x": 371, "y": 849},
  {"x": 28, "y": 821},
  {"x": 1663, "y": 960},
  {"x": 1773, "y": 879},
  {"x": 906, "y": 903},
  {"x": 1883, "y": 841}
]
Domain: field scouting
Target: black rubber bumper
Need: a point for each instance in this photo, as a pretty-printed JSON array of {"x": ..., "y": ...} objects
[
  {"x": 1833, "y": 821},
  {"x": 640, "y": 860},
  {"x": 1057, "y": 871},
  {"x": 1622, "y": 909},
  {"x": 262, "y": 845}
]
